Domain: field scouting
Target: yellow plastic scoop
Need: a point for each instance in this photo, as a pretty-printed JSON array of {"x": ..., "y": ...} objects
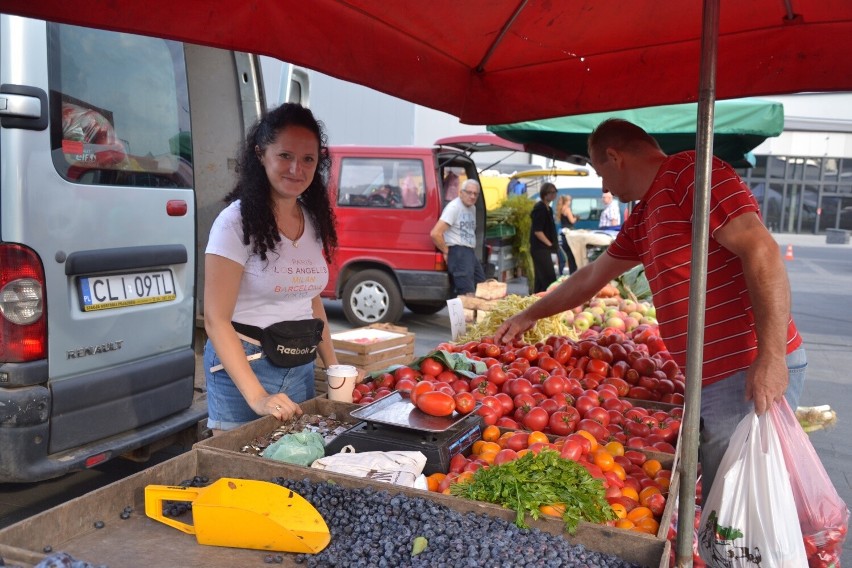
[{"x": 244, "y": 513}]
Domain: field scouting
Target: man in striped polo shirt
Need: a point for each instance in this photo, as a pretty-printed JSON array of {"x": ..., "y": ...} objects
[{"x": 753, "y": 354}]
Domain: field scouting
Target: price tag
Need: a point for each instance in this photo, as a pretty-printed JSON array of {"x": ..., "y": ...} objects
[{"x": 456, "y": 312}]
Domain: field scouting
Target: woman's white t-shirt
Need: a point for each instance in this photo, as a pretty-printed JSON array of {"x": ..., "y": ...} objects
[{"x": 279, "y": 288}]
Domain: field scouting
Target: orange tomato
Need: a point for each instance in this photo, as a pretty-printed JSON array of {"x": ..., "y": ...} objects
[
  {"x": 537, "y": 436},
  {"x": 652, "y": 468},
  {"x": 464, "y": 476},
  {"x": 615, "y": 448},
  {"x": 647, "y": 492},
  {"x": 639, "y": 513},
  {"x": 488, "y": 456},
  {"x": 434, "y": 480},
  {"x": 489, "y": 447},
  {"x": 624, "y": 524},
  {"x": 619, "y": 510},
  {"x": 618, "y": 470},
  {"x": 603, "y": 460},
  {"x": 491, "y": 433},
  {"x": 628, "y": 491},
  {"x": 647, "y": 525},
  {"x": 553, "y": 510},
  {"x": 663, "y": 482}
]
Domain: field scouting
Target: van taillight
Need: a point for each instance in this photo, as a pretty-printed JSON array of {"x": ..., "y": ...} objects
[
  {"x": 440, "y": 263},
  {"x": 23, "y": 325}
]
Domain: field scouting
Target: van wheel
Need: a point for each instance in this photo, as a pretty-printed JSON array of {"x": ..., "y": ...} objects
[
  {"x": 425, "y": 309},
  {"x": 372, "y": 296}
]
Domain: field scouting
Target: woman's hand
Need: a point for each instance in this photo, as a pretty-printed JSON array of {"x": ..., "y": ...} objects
[{"x": 278, "y": 405}]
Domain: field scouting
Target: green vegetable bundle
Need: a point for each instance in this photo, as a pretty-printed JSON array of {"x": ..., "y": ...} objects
[{"x": 533, "y": 480}]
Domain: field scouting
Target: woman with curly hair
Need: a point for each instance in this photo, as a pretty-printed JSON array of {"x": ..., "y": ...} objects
[{"x": 267, "y": 262}]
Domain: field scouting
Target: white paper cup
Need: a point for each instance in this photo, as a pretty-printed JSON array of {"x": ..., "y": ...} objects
[{"x": 341, "y": 382}]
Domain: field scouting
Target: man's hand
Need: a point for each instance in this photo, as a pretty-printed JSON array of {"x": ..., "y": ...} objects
[
  {"x": 766, "y": 382},
  {"x": 513, "y": 328}
]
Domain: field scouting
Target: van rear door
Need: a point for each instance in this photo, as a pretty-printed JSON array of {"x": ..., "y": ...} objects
[{"x": 102, "y": 194}]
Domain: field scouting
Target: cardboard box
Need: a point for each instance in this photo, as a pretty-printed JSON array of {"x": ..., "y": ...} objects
[{"x": 140, "y": 541}]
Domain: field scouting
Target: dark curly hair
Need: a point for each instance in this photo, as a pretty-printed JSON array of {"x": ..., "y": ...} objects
[{"x": 255, "y": 193}]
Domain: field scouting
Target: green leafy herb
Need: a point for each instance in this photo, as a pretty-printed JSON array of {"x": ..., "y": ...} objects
[{"x": 532, "y": 480}]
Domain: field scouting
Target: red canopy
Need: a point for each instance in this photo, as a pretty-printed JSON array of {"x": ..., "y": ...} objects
[{"x": 502, "y": 61}]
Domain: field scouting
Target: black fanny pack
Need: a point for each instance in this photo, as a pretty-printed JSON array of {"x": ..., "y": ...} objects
[{"x": 286, "y": 343}]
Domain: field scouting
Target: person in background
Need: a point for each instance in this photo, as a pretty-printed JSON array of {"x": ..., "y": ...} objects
[
  {"x": 451, "y": 186},
  {"x": 266, "y": 262},
  {"x": 753, "y": 354},
  {"x": 567, "y": 219},
  {"x": 543, "y": 239},
  {"x": 455, "y": 236},
  {"x": 610, "y": 216}
]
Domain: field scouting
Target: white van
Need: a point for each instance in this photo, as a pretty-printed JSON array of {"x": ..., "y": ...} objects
[{"x": 116, "y": 151}]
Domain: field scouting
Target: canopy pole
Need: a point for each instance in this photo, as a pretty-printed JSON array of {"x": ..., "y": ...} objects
[{"x": 698, "y": 283}]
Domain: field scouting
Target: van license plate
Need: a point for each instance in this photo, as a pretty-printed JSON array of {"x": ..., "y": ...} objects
[{"x": 122, "y": 290}]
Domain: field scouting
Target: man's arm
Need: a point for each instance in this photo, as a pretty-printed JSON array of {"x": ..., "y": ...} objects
[
  {"x": 581, "y": 286},
  {"x": 769, "y": 290},
  {"x": 437, "y": 235}
]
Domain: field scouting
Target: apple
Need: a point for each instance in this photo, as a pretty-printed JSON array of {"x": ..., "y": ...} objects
[
  {"x": 616, "y": 323},
  {"x": 583, "y": 321}
]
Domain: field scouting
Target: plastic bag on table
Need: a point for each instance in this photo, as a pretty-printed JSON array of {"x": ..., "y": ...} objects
[
  {"x": 749, "y": 518},
  {"x": 823, "y": 516},
  {"x": 301, "y": 448},
  {"x": 397, "y": 467}
]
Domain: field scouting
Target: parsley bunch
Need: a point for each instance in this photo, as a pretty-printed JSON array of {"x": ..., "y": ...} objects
[{"x": 532, "y": 480}]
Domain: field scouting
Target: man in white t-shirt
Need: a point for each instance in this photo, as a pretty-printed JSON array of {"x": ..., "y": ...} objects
[
  {"x": 455, "y": 235},
  {"x": 610, "y": 216}
]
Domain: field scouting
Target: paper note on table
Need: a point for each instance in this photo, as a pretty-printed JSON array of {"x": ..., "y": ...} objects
[{"x": 457, "y": 323}]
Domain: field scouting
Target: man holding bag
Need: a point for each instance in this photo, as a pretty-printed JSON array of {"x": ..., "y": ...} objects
[{"x": 752, "y": 349}]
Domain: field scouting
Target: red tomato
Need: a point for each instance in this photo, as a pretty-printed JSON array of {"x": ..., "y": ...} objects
[
  {"x": 497, "y": 375},
  {"x": 461, "y": 385},
  {"x": 465, "y": 403},
  {"x": 493, "y": 403},
  {"x": 520, "y": 386},
  {"x": 584, "y": 403},
  {"x": 404, "y": 385},
  {"x": 563, "y": 353},
  {"x": 527, "y": 352},
  {"x": 506, "y": 401},
  {"x": 599, "y": 414},
  {"x": 446, "y": 377},
  {"x": 504, "y": 456},
  {"x": 536, "y": 419},
  {"x": 420, "y": 388},
  {"x": 430, "y": 366},
  {"x": 488, "y": 414},
  {"x": 564, "y": 422},
  {"x": 536, "y": 375},
  {"x": 508, "y": 423},
  {"x": 356, "y": 396},
  {"x": 554, "y": 384},
  {"x": 523, "y": 400},
  {"x": 458, "y": 463},
  {"x": 404, "y": 372},
  {"x": 572, "y": 450},
  {"x": 594, "y": 428},
  {"x": 549, "y": 405},
  {"x": 435, "y": 403},
  {"x": 489, "y": 350},
  {"x": 385, "y": 380}
]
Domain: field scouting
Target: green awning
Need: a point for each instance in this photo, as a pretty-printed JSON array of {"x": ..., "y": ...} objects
[{"x": 740, "y": 125}]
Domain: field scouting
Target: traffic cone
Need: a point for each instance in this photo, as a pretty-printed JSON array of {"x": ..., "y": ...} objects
[{"x": 789, "y": 255}]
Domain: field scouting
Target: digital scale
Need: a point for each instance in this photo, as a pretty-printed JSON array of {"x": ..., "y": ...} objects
[{"x": 393, "y": 423}]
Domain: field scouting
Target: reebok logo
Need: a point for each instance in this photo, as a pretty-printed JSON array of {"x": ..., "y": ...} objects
[{"x": 296, "y": 350}]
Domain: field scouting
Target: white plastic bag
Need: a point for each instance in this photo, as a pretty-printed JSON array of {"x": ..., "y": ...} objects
[
  {"x": 749, "y": 518},
  {"x": 397, "y": 467}
]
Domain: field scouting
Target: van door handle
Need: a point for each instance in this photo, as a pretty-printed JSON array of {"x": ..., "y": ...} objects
[{"x": 20, "y": 106}]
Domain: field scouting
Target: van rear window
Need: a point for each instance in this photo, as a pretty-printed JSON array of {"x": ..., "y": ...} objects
[
  {"x": 382, "y": 183},
  {"x": 119, "y": 109}
]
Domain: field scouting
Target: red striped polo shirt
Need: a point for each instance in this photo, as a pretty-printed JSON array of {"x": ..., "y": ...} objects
[{"x": 659, "y": 234}]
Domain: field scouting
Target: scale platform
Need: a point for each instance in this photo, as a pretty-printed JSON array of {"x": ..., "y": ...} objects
[{"x": 393, "y": 423}]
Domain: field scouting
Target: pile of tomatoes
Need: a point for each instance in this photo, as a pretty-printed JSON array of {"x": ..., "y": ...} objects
[
  {"x": 636, "y": 485},
  {"x": 556, "y": 387}
]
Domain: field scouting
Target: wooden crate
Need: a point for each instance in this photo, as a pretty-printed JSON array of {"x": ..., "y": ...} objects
[
  {"x": 387, "y": 345},
  {"x": 140, "y": 541},
  {"x": 475, "y": 309}
]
